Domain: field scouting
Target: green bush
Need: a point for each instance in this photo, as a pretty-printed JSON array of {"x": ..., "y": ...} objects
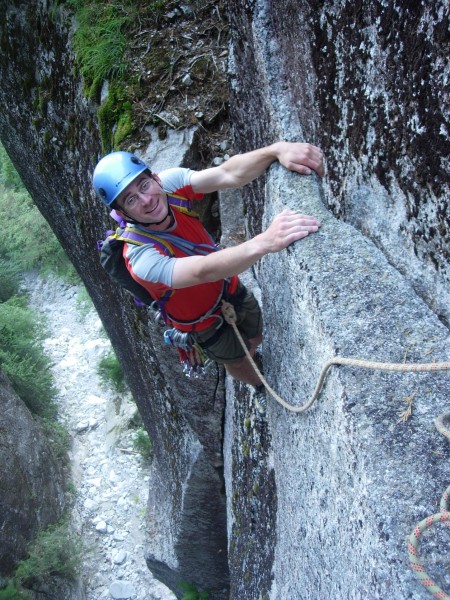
[
  {"x": 30, "y": 243},
  {"x": 191, "y": 592},
  {"x": 22, "y": 358},
  {"x": 111, "y": 373},
  {"x": 19, "y": 247},
  {"x": 10, "y": 592},
  {"x": 143, "y": 444},
  {"x": 56, "y": 551},
  {"x": 9, "y": 279},
  {"x": 8, "y": 174},
  {"x": 59, "y": 437},
  {"x": 116, "y": 110}
]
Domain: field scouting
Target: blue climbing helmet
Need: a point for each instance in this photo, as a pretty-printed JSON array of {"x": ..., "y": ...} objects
[{"x": 114, "y": 172}]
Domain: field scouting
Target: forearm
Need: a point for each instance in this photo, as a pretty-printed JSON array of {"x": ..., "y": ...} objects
[
  {"x": 286, "y": 228},
  {"x": 194, "y": 270},
  {"x": 244, "y": 168}
]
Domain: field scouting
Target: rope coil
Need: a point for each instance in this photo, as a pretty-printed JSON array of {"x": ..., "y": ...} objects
[{"x": 443, "y": 516}]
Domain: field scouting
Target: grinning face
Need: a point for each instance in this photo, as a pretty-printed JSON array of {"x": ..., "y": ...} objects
[{"x": 144, "y": 201}]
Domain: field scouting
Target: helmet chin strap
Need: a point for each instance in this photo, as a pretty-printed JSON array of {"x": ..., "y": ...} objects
[{"x": 133, "y": 222}]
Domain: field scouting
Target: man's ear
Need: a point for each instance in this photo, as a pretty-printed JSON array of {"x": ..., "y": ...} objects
[{"x": 121, "y": 214}]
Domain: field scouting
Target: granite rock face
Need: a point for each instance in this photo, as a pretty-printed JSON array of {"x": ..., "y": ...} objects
[
  {"x": 49, "y": 130},
  {"x": 315, "y": 505},
  {"x": 32, "y": 485},
  {"x": 347, "y": 481},
  {"x": 369, "y": 83}
]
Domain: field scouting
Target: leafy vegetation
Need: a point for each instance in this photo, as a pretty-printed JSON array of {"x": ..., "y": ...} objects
[
  {"x": 56, "y": 551},
  {"x": 21, "y": 334},
  {"x": 30, "y": 243},
  {"x": 10, "y": 592},
  {"x": 59, "y": 437},
  {"x": 142, "y": 50},
  {"x": 100, "y": 42},
  {"x": 111, "y": 373},
  {"x": 22, "y": 358},
  {"x": 115, "y": 110},
  {"x": 191, "y": 592},
  {"x": 143, "y": 444},
  {"x": 100, "y": 39}
]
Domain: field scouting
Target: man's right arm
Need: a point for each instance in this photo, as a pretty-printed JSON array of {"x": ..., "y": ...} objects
[
  {"x": 287, "y": 227},
  {"x": 243, "y": 168}
]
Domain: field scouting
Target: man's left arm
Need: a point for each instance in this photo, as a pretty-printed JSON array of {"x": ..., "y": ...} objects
[{"x": 244, "y": 168}]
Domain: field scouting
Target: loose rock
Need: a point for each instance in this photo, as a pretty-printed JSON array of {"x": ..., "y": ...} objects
[{"x": 111, "y": 486}]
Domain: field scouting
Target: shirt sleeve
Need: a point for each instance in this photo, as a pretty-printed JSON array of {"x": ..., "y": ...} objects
[
  {"x": 150, "y": 265},
  {"x": 178, "y": 181}
]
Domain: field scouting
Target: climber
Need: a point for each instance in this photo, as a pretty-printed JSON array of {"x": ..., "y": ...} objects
[{"x": 192, "y": 280}]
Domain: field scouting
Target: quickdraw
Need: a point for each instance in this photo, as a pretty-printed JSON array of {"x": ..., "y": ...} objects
[{"x": 196, "y": 364}]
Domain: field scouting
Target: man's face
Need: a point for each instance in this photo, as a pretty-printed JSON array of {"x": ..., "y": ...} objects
[{"x": 144, "y": 200}]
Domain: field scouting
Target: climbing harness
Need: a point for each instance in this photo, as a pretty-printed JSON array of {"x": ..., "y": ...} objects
[{"x": 443, "y": 516}]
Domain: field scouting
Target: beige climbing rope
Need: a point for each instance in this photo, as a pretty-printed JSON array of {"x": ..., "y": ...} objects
[
  {"x": 443, "y": 516},
  {"x": 230, "y": 317}
]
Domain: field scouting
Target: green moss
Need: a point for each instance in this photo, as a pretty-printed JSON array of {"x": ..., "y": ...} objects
[
  {"x": 95, "y": 90},
  {"x": 37, "y": 123},
  {"x": 10, "y": 592},
  {"x": 116, "y": 110},
  {"x": 71, "y": 133},
  {"x": 47, "y": 137},
  {"x": 75, "y": 196},
  {"x": 42, "y": 102},
  {"x": 105, "y": 125},
  {"x": 90, "y": 124},
  {"x": 245, "y": 450},
  {"x": 125, "y": 125}
]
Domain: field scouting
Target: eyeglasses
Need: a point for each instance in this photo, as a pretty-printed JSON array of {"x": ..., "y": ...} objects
[{"x": 143, "y": 190}]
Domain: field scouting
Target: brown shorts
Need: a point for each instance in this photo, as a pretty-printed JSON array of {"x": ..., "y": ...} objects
[{"x": 222, "y": 345}]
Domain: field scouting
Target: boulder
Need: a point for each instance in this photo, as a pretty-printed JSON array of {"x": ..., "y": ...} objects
[{"x": 32, "y": 483}]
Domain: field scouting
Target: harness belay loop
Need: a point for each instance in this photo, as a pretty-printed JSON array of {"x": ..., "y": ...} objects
[{"x": 195, "y": 362}]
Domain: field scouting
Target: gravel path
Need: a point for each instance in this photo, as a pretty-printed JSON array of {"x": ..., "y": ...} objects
[{"x": 111, "y": 480}]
